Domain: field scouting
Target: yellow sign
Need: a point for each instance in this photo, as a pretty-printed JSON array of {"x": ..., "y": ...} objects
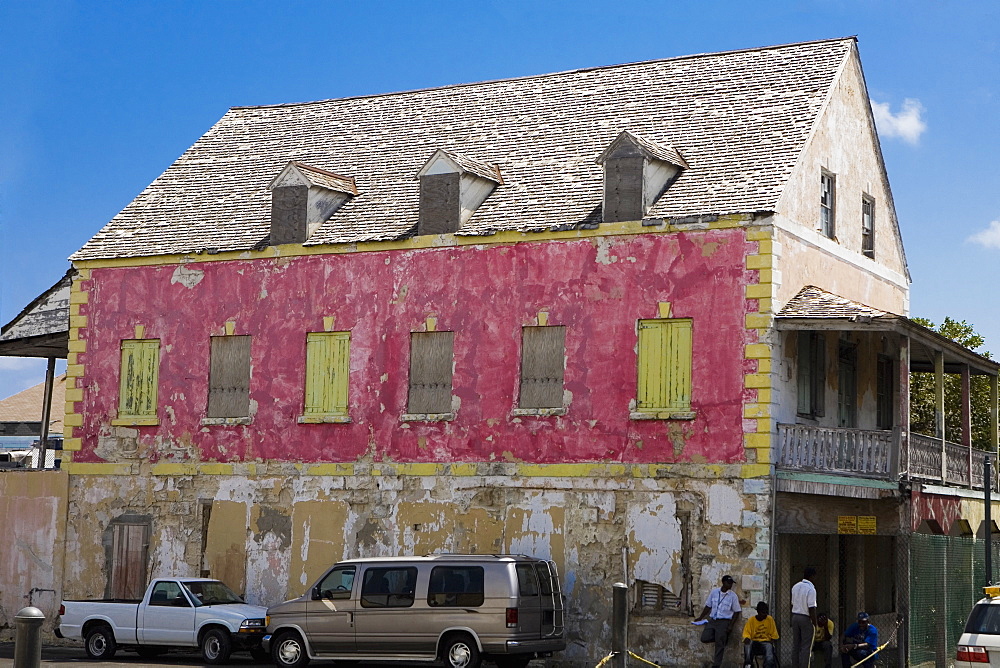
[
  {"x": 847, "y": 524},
  {"x": 866, "y": 524}
]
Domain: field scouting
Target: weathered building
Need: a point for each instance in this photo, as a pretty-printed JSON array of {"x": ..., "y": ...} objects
[{"x": 553, "y": 315}]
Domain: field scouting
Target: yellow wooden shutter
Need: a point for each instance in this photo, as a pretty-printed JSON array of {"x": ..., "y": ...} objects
[
  {"x": 139, "y": 376},
  {"x": 664, "y": 365},
  {"x": 327, "y": 372}
]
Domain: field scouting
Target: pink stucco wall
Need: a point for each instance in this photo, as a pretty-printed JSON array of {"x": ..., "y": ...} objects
[{"x": 597, "y": 288}]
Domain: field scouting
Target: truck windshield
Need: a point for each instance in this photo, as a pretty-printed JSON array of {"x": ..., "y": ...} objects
[{"x": 210, "y": 592}]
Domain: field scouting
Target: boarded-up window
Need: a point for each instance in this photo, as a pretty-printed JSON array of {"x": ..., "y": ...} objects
[
  {"x": 543, "y": 350},
  {"x": 139, "y": 372},
  {"x": 327, "y": 372},
  {"x": 229, "y": 377},
  {"x": 430, "y": 372},
  {"x": 664, "y": 365},
  {"x": 129, "y": 549}
]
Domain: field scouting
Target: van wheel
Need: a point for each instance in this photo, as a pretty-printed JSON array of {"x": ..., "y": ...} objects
[
  {"x": 460, "y": 651},
  {"x": 216, "y": 646},
  {"x": 512, "y": 661},
  {"x": 289, "y": 651},
  {"x": 101, "y": 643}
]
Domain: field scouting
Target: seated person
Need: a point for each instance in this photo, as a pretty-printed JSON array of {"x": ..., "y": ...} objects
[
  {"x": 759, "y": 634},
  {"x": 860, "y": 641},
  {"x": 823, "y": 639}
]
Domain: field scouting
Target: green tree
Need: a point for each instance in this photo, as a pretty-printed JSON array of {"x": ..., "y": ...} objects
[{"x": 922, "y": 391}]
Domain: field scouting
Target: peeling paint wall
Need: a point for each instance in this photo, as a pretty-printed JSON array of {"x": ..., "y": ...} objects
[
  {"x": 597, "y": 288},
  {"x": 32, "y": 523},
  {"x": 599, "y": 529}
]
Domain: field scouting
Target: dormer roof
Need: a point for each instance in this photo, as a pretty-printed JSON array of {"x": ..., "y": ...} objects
[
  {"x": 462, "y": 163},
  {"x": 738, "y": 120},
  {"x": 652, "y": 150},
  {"x": 297, "y": 173}
]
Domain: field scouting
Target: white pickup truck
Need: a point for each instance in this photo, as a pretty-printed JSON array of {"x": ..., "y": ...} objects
[{"x": 175, "y": 613}]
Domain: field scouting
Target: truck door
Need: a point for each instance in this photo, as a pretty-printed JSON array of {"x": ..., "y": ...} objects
[
  {"x": 167, "y": 618},
  {"x": 330, "y": 613}
]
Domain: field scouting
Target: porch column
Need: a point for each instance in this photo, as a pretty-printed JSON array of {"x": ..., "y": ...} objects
[
  {"x": 994, "y": 405},
  {"x": 967, "y": 416},
  {"x": 902, "y": 421},
  {"x": 939, "y": 411},
  {"x": 43, "y": 440}
]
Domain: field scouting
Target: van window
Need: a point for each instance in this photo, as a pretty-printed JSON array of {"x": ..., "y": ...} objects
[
  {"x": 388, "y": 587},
  {"x": 456, "y": 586},
  {"x": 337, "y": 584},
  {"x": 527, "y": 584},
  {"x": 544, "y": 579}
]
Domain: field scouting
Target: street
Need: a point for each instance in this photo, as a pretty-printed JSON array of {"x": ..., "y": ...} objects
[{"x": 76, "y": 656}]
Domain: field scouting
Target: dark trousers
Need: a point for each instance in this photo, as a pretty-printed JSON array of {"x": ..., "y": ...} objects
[
  {"x": 717, "y": 631},
  {"x": 802, "y": 636},
  {"x": 823, "y": 648},
  {"x": 754, "y": 648},
  {"x": 848, "y": 659}
]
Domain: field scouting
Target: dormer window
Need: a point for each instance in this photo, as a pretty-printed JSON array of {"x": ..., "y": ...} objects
[
  {"x": 636, "y": 173},
  {"x": 303, "y": 198},
  {"x": 452, "y": 187}
]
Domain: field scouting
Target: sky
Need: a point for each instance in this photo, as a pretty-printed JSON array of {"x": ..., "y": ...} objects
[{"x": 98, "y": 98}]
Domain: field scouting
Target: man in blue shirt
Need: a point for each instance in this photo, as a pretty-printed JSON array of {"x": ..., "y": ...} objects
[
  {"x": 722, "y": 609},
  {"x": 860, "y": 641}
]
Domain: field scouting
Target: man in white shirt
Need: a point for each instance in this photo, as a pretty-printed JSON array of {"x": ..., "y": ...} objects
[
  {"x": 803, "y": 618},
  {"x": 722, "y": 609}
]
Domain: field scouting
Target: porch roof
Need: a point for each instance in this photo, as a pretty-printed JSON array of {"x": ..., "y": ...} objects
[
  {"x": 816, "y": 309},
  {"x": 42, "y": 328}
]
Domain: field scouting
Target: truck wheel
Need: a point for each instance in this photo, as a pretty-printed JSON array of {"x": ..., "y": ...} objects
[
  {"x": 101, "y": 643},
  {"x": 216, "y": 646},
  {"x": 288, "y": 650},
  {"x": 461, "y": 651}
]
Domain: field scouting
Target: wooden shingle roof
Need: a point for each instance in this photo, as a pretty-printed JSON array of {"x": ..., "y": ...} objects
[{"x": 740, "y": 120}]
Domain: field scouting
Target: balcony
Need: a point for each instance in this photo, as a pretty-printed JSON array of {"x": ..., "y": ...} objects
[{"x": 880, "y": 455}]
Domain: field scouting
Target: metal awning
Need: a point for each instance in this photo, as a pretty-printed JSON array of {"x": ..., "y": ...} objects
[{"x": 42, "y": 328}]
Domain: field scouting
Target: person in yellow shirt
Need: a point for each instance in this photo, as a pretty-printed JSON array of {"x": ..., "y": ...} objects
[
  {"x": 759, "y": 634},
  {"x": 823, "y": 640}
]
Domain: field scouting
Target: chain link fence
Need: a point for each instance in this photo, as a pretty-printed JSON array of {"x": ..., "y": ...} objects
[{"x": 946, "y": 580}]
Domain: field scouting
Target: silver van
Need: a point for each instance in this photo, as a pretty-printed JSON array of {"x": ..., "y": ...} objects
[{"x": 459, "y": 609}]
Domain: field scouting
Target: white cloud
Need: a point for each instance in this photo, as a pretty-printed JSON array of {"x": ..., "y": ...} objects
[
  {"x": 988, "y": 238},
  {"x": 907, "y": 124}
]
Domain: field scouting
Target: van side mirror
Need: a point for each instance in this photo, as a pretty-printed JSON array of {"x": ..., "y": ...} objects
[{"x": 316, "y": 595}]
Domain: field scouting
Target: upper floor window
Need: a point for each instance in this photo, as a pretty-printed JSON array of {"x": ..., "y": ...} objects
[
  {"x": 868, "y": 226},
  {"x": 431, "y": 355},
  {"x": 827, "y": 204},
  {"x": 543, "y": 352},
  {"x": 811, "y": 364},
  {"x": 229, "y": 377},
  {"x": 328, "y": 356},
  {"x": 664, "y": 368},
  {"x": 137, "y": 393}
]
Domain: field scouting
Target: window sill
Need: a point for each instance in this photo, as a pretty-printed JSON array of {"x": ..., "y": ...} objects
[
  {"x": 225, "y": 421},
  {"x": 662, "y": 415},
  {"x": 135, "y": 422},
  {"x": 324, "y": 419},
  {"x": 427, "y": 417},
  {"x": 540, "y": 412}
]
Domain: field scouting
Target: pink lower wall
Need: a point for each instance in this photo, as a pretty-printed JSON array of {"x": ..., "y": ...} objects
[{"x": 598, "y": 288}]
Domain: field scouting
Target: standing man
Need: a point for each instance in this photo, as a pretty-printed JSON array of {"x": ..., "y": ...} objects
[
  {"x": 722, "y": 609},
  {"x": 803, "y": 618},
  {"x": 860, "y": 641}
]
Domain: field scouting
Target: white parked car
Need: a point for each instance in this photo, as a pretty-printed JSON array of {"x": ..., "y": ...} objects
[{"x": 979, "y": 645}]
